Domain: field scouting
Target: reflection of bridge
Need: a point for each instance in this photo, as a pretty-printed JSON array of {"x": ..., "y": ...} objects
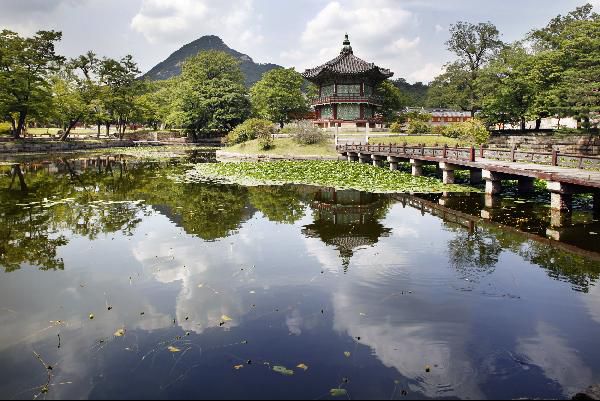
[
  {"x": 471, "y": 222},
  {"x": 565, "y": 175}
]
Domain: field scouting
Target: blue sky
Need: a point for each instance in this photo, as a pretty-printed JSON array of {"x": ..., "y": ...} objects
[{"x": 407, "y": 36}]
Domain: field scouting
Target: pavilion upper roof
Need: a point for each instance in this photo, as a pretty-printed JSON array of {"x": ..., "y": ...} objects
[{"x": 347, "y": 64}]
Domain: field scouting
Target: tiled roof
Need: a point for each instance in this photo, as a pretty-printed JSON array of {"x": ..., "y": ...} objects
[{"x": 347, "y": 64}]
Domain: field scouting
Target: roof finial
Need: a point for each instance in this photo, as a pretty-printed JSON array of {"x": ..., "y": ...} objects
[{"x": 347, "y": 49}]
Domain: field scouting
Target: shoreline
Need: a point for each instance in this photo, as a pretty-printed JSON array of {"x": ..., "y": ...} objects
[{"x": 233, "y": 156}]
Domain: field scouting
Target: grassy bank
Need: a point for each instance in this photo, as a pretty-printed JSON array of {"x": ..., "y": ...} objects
[
  {"x": 340, "y": 175},
  {"x": 418, "y": 140},
  {"x": 284, "y": 147}
]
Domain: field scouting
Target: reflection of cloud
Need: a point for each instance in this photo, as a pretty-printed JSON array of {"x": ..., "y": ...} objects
[
  {"x": 409, "y": 339},
  {"x": 592, "y": 301},
  {"x": 559, "y": 362},
  {"x": 294, "y": 322}
]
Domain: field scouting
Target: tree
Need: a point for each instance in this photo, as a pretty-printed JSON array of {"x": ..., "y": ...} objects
[
  {"x": 508, "y": 92},
  {"x": 122, "y": 88},
  {"x": 451, "y": 89},
  {"x": 278, "y": 96},
  {"x": 394, "y": 100},
  {"x": 26, "y": 65},
  {"x": 210, "y": 97},
  {"x": 154, "y": 106},
  {"x": 475, "y": 46},
  {"x": 75, "y": 91}
]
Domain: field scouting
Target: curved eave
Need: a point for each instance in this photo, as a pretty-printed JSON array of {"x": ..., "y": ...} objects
[{"x": 375, "y": 75}]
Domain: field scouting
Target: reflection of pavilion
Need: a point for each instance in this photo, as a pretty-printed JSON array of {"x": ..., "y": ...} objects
[{"x": 348, "y": 220}]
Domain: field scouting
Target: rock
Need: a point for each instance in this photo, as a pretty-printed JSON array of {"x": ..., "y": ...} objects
[{"x": 592, "y": 393}]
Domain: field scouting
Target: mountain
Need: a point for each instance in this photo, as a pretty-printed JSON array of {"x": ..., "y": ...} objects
[{"x": 171, "y": 67}]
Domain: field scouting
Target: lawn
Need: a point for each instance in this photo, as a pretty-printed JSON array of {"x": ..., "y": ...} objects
[
  {"x": 285, "y": 147},
  {"x": 418, "y": 140}
]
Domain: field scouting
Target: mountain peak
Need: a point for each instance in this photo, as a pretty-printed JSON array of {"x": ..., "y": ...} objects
[{"x": 171, "y": 67}]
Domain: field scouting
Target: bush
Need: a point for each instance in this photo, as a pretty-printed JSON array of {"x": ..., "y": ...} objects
[
  {"x": 397, "y": 127},
  {"x": 418, "y": 127},
  {"x": 439, "y": 130},
  {"x": 473, "y": 131},
  {"x": 5, "y": 128},
  {"x": 251, "y": 129},
  {"x": 265, "y": 139},
  {"x": 306, "y": 133}
]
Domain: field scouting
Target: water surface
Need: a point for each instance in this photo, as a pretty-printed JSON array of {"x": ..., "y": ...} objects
[{"x": 382, "y": 296}]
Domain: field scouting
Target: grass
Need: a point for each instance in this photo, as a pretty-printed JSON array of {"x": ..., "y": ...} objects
[
  {"x": 336, "y": 174},
  {"x": 5, "y": 128},
  {"x": 285, "y": 147},
  {"x": 418, "y": 140}
]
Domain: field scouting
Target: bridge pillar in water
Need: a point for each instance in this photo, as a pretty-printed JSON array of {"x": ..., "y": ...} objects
[
  {"x": 493, "y": 182},
  {"x": 597, "y": 204},
  {"x": 352, "y": 157},
  {"x": 377, "y": 160},
  {"x": 448, "y": 172},
  {"x": 364, "y": 159},
  {"x": 561, "y": 196},
  {"x": 417, "y": 167},
  {"x": 476, "y": 177},
  {"x": 526, "y": 185},
  {"x": 394, "y": 163}
]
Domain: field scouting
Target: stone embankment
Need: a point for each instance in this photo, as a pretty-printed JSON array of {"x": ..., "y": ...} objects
[
  {"x": 29, "y": 146},
  {"x": 571, "y": 144},
  {"x": 224, "y": 155}
]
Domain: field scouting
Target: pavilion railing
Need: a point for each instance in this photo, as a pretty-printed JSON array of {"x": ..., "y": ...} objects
[
  {"x": 557, "y": 159},
  {"x": 373, "y": 99}
]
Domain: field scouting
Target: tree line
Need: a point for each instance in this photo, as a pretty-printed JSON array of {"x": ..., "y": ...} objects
[{"x": 552, "y": 72}]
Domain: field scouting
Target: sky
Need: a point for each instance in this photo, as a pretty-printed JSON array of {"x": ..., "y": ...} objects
[{"x": 407, "y": 36}]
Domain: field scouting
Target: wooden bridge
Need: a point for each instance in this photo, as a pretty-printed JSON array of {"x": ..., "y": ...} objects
[{"x": 565, "y": 175}]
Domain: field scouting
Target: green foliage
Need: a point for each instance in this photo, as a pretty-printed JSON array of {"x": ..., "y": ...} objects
[
  {"x": 472, "y": 131},
  {"x": 278, "y": 96},
  {"x": 306, "y": 133},
  {"x": 5, "y": 128},
  {"x": 397, "y": 127},
  {"x": 419, "y": 127},
  {"x": 210, "y": 97},
  {"x": 26, "y": 65},
  {"x": 253, "y": 128},
  {"x": 416, "y": 94},
  {"x": 394, "y": 100},
  {"x": 340, "y": 175}
]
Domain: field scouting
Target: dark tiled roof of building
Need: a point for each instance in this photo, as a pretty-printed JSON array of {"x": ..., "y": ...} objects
[{"x": 347, "y": 64}]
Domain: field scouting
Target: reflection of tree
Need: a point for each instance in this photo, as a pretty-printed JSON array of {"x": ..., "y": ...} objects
[
  {"x": 348, "y": 220},
  {"x": 474, "y": 254},
  {"x": 279, "y": 204}
]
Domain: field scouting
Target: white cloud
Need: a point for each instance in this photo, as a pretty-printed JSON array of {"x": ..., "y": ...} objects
[
  {"x": 439, "y": 28},
  {"x": 181, "y": 21},
  {"x": 381, "y": 31},
  {"x": 426, "y": 72}
]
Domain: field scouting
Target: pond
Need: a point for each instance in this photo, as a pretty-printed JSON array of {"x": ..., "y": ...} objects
[{"x": 119, "y": 281}]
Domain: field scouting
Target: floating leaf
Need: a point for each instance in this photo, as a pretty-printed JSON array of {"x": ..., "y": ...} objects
[
  {"x": 91, "y": 316},
  {"x": 238, "y": 367},
  {"x": 283, "y": 370},
  {"x": 226, "y": 318},
  {"x": 347, "y": 354},
  {"x": 173, "y": 349},
  {"x": 338, "y": 392},
  {"x": 303, "y": 367},
  {"x": 120, "y": 333}
]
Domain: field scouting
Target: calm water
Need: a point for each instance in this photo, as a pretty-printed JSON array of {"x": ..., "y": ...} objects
[{"x": 212, "y": 291}]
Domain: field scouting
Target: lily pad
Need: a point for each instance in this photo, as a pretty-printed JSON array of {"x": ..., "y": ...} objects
[
  {"x": 303, "y": 367},
  {"x": 338, "y": 392},
  {"x": 283, "y": 370},
  {"x": 120, "y": 333},
  {"x": 173, "y": 349}
]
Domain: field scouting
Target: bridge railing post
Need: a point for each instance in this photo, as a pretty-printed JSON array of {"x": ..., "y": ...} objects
[
  {"x": 555, "y": 157},
  {"x": 513, "y": 157},
  {"x": 472, "y": 156},
  {"x": 445, "y": 151},
  {"x": 482, "y": 152}
]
